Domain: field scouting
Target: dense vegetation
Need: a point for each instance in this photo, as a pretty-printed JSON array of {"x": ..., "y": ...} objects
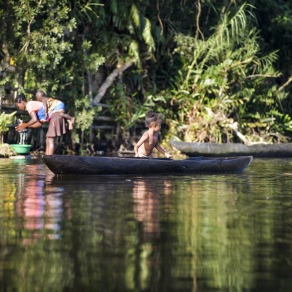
[{"x": 210, "y": 67}]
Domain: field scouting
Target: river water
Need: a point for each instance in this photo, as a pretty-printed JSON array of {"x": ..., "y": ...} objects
[{"x": 155, "y": 233}]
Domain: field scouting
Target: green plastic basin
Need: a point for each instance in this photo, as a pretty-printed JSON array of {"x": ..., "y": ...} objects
[{"x": 20, "y": 148}]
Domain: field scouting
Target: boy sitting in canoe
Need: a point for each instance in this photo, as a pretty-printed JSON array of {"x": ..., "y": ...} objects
[
  {"x": 53, "y": 105},
  {"x": 149, "y": 139}
]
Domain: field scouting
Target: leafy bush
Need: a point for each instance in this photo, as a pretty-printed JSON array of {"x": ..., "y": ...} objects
[{"x": 5, "y": 121}]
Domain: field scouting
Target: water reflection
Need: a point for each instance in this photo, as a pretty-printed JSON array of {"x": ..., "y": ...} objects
[
  {"x": 150, "y": 199},
  {"x": 156, "y": 233},
  {"x": 146, "y": 209},
  {"x": 38, "y": 207}
]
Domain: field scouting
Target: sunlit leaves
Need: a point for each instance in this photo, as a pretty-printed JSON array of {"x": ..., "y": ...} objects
[
  {"x": 85, "y": 113},
  {"x": 147, "y": 35},
  {"x": 135, "y": 14},
  {"x": 41, "y": 27},
  {"x": 229, "y": 68},
  {"x": 93, "y": 60},
  {"x": 134, "y": 51},
  {"x": 5, "y": 121}
]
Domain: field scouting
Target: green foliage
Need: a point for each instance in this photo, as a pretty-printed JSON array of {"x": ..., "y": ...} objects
[
  {"x": 5, "y": 121},
  {"x": 93, "y": 60},
  {"x": 40, "y": 27},
  {"x": 204, "y": 65},
  {"x": 122, "y": 106},
  {"x": 85, "y": 113},
  {"x": 221, "y": 77}
]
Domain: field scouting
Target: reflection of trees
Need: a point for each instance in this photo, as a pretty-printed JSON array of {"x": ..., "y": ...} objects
[
  {"x": 35, "y": 211},
  {"x": 148, "y": 198},
  {"x": 113, "y": 236},
  {"x": 7, "y": 210},
  {"x": 130, "y": 234},
  {"x": 227, "y": 232},
  {"x": 211, "y": 243}
]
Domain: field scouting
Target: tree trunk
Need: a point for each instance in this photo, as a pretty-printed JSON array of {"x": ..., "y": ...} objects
[
  {"x": 110, "y": 80},
  {"x": 5, "y": 64}
]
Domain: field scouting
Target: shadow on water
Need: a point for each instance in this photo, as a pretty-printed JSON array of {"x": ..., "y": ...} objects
[{"x": 158, "y": 233}]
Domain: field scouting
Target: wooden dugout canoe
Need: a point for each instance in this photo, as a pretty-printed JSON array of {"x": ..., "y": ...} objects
[
  {"x": 91, "y": 165},
  {"x": 234, "y": 149}
]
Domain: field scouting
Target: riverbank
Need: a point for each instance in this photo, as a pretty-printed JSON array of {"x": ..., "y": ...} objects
[{"x": 6, "y": 150}]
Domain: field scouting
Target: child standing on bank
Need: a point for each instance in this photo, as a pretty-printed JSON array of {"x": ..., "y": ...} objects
[
  {"x": 52, "y": 105},
  {"x": 149, "y": 139}
]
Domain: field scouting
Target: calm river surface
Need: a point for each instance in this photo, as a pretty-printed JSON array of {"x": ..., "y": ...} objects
[{"x": 154, "y": 233}]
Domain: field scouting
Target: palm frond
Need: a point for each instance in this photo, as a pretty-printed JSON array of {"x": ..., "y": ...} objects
[
  {"x": 134, "y": 51},
  {"x": 135, "y": 14},
  {"x": 147, "y": 35}
]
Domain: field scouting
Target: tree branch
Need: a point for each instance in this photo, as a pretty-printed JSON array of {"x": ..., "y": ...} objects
[
  {"x": 198, "y": 30},
  {"x": 286, "y": 83},
  {"x": 110, "y": 80},
  {"x": 244, "y": 139},
  {"x": 158, "y": 17}
]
